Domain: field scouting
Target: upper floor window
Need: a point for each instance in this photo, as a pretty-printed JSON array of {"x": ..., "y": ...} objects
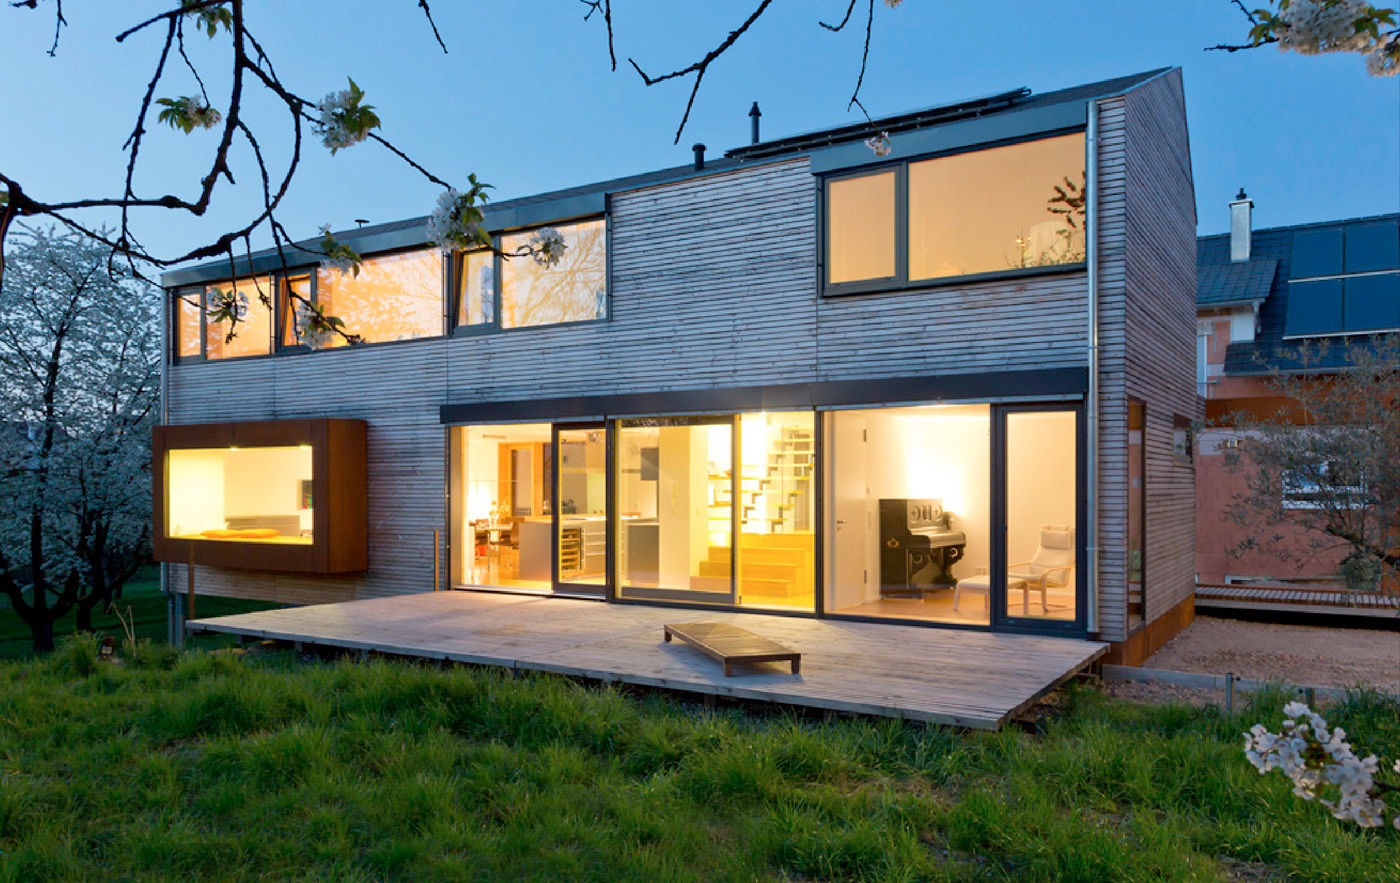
[
  {"x": 993, "y": 210},
  {"x": 520, "y": 292},
  {"x": 252, "y": 332},
  {"x": 394, "y": 297}
]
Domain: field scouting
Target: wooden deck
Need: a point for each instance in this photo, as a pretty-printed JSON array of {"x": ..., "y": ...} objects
[
  {"x": 1295, "y": 599},
  {"x": 963, "y": 678}
]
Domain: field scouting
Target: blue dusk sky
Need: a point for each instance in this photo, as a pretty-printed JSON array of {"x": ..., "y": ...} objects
[{"x": 526, "y": 100}]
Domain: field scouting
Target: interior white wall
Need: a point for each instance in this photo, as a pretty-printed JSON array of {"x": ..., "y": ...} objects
[
  {"x": 1040, "y": 487},
  {"x": 264, "y": 481},
  {"x": 940, "y": 453},
  {"x": 684, "y": 503},
  {"x": 194, "y": 491}
]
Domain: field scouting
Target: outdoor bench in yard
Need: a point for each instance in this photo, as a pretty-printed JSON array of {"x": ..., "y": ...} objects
[{"x": 730, "y": 644}]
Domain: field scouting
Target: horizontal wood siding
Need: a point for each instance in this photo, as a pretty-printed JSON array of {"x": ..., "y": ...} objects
[
  {"x": 1161, "y": 326},
  {"x": 1111, "y": 212}
]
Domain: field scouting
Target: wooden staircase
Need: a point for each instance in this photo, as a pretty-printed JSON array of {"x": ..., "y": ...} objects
[{"x": 772, "y": 566}]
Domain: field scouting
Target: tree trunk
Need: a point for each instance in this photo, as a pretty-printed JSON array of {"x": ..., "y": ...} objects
[{"x": 43, "y": 636}]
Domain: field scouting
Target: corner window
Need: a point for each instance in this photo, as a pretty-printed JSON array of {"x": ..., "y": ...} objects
[
  {"x": 1000, "y": 209},
  {"x": 188, "y": 323},
  {"x": 573, "y": 290}
]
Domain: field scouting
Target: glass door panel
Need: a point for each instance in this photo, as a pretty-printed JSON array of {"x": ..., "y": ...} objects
[
  {"x": 675, "y": 509},
  {"x": 581, "y": 525},
  {"x": 1042, "y": 501},
  {"x": 777, "y": 507}
]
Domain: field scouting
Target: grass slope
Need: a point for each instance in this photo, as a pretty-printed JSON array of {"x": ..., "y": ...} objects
[
  {"x": 147, "y": 606},
  {"x": 213, "y": 766}
]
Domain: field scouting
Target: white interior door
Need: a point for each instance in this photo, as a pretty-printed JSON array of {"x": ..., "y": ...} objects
[{"x": 850, "y": 511}]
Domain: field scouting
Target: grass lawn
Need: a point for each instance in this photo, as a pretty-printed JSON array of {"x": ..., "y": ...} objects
[
  {"x": 141, "y": 593},
  {"x": 215, "y": 766}
]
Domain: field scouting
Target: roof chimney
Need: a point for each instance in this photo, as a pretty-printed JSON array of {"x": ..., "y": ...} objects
[
  {"x": 1241, "y": 226},
  {"x": 754, "y": 114},
  {"x": 699, "y": 156}
]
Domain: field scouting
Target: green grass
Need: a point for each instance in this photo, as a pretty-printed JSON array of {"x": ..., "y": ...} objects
[
  {"x": 147, "y": 606},
  {"x": 213, "y": 766}
]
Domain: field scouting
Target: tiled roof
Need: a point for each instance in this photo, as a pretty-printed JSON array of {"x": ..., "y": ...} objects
[{"x": 1233, "y": 283}]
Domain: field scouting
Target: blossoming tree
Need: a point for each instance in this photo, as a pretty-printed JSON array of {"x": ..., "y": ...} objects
[
  {"x": 1322, "y": 476},
  {"x": 79, "y": 387}
]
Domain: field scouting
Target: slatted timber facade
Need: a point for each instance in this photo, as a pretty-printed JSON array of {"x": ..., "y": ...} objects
[{"x": 712, "y": 283}]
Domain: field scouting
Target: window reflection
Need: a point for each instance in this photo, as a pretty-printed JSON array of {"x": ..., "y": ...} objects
[
  {"x": 476, "y": 288},
  {"x": 187, "y": 323},
  {"x": 998, "y": 209},
  {"x": 574, "y": 290},
  {"x": 394, "y": 297},
  {"x": 292, "y": 309},
  {"x": 860, "y": 228},
  {"x": 253, "y": 332}
]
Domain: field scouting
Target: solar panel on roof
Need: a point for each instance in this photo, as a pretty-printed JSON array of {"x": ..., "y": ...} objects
[
  {"x": 1372, "y": 303},
  {"x": 1314, "y": 308},
  {"x": 1316, "y": 253},
  {"x": 1373, "y": 247}
]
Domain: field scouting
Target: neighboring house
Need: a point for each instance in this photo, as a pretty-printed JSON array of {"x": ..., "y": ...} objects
[
  {"x": 1260, "y": 294},
  {"x": 802, "y": 378}
]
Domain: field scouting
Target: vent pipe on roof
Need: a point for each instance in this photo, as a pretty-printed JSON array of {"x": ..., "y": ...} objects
[
  {"x": 699, "y": 156},
  {"x": 1241, "y": 226},
  {"x": 754, "y": 114}
]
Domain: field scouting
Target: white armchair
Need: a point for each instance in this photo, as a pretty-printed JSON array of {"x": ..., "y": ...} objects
[{"x": 1051, "y": 565}]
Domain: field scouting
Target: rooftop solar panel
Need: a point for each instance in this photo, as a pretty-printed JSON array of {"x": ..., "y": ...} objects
[
  {"x": 1316, "y": 253},
  {"x": 1314, "y": 308},
  {"x": 1373, "y": 247},
  {"x": 1372, "y": 303}
]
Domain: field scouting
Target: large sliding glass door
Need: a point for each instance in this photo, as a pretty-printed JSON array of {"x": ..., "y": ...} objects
[
  {"x": 581, "y": 513},
  {"x": 1040, "y": 452},
  {"x": 961, "y": 514},
  {"x": 676, "y": 519}
]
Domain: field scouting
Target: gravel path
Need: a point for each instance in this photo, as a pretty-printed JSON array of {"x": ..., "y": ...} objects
[{"x": 1304, "y": 655}]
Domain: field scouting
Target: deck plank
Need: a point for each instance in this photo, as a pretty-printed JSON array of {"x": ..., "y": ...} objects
[{"x": 963, "y": 678}]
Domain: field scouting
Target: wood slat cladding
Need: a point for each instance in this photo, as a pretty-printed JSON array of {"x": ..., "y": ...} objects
[
  {"x": 712, "y": 284},
  {"x": 1146, "y": 211}
]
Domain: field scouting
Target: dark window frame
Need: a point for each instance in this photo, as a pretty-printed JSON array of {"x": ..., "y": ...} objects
[
  {"x": 901, "y": 281},
  {"x": 457, "y": 262}
]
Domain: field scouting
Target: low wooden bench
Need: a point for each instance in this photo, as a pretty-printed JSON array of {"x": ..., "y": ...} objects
[{"x": 730, "y": 644}]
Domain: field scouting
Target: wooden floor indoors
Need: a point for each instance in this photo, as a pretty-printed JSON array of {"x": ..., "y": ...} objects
[{"x": 964, "y": 678}]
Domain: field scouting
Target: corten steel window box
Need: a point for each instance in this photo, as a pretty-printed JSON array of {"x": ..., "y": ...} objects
[{"x": 277, "y": 495}]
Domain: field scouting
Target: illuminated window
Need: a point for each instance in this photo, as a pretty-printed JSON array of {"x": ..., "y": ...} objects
[
  {"x": 860, "y": 222},
  {"x": 240, "y": 494},
  {"x": 476, "y": 288},
  {"x": 296, "y": 293},
  {"x": 998, "y": 209},
  {"x": 187, "y": 323},
  {"x": 252, "y": 333},
  {"x": 394, "y": 297},
  {"x": 573, "y": 290}
]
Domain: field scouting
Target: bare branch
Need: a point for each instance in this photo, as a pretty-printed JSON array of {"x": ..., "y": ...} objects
[
  {"x": 605, "y": 6},
  {"x": 847, "y": 17},
  {"x": 423, "y": 5},
  {"x": 698, "y": 68}
]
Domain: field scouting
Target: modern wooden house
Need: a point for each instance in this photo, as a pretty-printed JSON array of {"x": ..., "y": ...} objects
[{"x": 937, "y": 386}]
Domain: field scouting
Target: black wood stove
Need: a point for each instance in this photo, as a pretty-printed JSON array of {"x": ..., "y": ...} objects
[{"x": 917, "y": 547}]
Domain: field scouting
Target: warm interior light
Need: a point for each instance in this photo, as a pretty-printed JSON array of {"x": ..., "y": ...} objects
[{"x": 304, "y": 447}]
